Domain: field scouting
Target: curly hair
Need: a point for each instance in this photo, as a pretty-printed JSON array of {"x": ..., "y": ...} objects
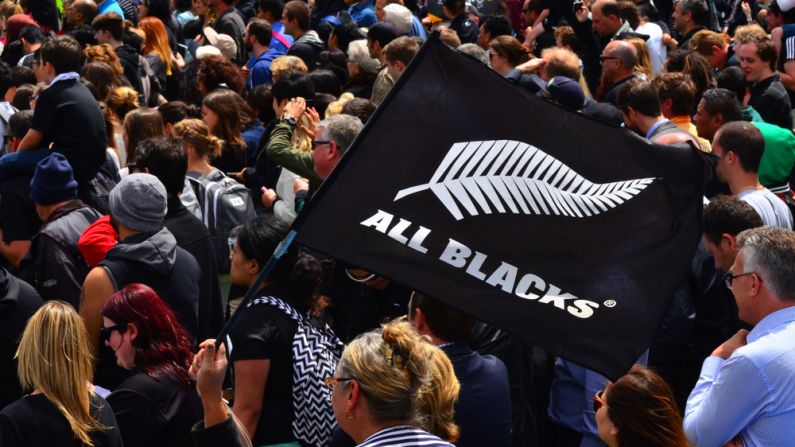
[
  {"x": 217, "y": 71},
  {"x": 103, "y": 53}
]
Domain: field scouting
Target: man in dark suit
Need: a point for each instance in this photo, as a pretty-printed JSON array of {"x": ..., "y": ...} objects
[{"x": 483, "y": 410}]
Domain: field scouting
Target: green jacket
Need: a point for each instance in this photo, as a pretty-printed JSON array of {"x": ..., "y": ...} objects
[{"x": 280, "y": 151}]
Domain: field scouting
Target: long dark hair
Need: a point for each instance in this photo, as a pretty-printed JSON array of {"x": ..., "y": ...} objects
[
  {"x": 642, "y": 406},
  {"x": 231, "y": 117},
  {"x": 298, "y": 274},
  {"x": 163, "y": 346}
]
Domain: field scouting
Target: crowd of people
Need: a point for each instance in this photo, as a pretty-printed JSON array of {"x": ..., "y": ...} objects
[{"x": 155, "y": 153}]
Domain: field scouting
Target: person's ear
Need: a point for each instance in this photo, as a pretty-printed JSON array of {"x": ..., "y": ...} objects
[
  {"x": 352, "y": 396},
  {"x": 253, "y": 267},
  {"x": 132, "y": 329},
  {"x": 419, "y": 321},
  {"x": 400, "y": 66},
  {"x": 728, "y": 242}
]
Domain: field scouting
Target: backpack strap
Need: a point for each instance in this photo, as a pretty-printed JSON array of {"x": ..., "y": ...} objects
[
  {"x": 278, "y": 36},
  {"x": 281, "y": 305}
]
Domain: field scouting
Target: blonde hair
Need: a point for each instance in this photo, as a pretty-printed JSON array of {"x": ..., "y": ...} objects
[
  {"x": 122, "y": 100},
  {"x": 196, "y": 133},
  {"x": 103, "y": 53},
  {"x": 643, "y": 65},
  {"x": 436, "y": 400},
  {"x": 335, "y": 107},
  {"x": 55, "y": 358},
  {"x": 284, "y": 65},
  {"x": 401, "y": 376},
  {"x": 703, "y": 41}
]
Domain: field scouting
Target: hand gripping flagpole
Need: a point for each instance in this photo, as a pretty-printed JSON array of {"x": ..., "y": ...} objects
[{"x": 280, "y": 250}]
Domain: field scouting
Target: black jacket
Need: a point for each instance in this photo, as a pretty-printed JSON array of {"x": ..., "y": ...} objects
[
  {"x": 771, "y": 100},
  {"x": 129, "y": 59},
  {"x": 231, "y": 24},
  {"x": 54, "y": 265},
  {"x": 193, "y": 236},
  {"x": 156, "y": 260},
  {"x": 18, "y": 302},
  {"x": 483, "y": 409},
  {"x": 308, "y": 48},
  {"x": 467, "y": 29}
]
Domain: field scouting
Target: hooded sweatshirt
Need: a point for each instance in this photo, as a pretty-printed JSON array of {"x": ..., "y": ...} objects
[
  {"x": 18, "y": 302},
  {"x": 155, "y": 259},
  {"x": 308, "y": 48},
  {"x": 129, "y": 59}
]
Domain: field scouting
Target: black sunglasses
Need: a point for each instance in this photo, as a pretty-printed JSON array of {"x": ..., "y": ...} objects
[
  {"x": 316, "y": 143},
  {"x": 105, "y": 332}
]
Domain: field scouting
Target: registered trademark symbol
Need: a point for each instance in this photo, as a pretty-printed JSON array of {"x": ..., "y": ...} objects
[{"x": 610, "y": 303}]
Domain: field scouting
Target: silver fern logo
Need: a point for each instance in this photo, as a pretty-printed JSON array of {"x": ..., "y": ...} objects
[{"x": 510, "y": 176}]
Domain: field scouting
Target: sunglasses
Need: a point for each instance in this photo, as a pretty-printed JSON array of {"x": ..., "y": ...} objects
[
  {"x": 105, "y": 332},
  {"x": 331, "y": 382},
  {"x": 316, "y": 143},
  {"x": 598, "y": 402}
]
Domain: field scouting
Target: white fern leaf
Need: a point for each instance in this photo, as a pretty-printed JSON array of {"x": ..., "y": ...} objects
[{"x": 505, "y": 176}]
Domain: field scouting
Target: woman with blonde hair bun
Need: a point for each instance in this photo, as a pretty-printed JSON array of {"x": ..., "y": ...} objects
[
  {"x": 386, "y": 388},
  {"x": 63, "y": 409},
  {"x": 201, "y": 146}
]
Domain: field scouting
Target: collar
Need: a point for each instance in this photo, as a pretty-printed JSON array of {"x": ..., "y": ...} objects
[
  {"x": 764, "y": 83},
  {"x": 625, "y": 28},
  {"x": 455, "y": 349},
  {"x": 65, "y": 77},
  {"x": 68, "y": 207},
  {"x": 173, "y": 205},
  {"x": 770, "y": 323},
  {"x": 654, "y": 127}
]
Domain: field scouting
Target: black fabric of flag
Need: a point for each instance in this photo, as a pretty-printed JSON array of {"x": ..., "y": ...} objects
[{"x": 528, "y": 216}]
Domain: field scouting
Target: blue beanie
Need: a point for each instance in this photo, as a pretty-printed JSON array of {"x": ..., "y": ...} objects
[{"x": 53, "y": 181}]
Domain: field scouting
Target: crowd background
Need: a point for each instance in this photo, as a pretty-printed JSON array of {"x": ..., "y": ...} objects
[{"x": 156, "y": 152}]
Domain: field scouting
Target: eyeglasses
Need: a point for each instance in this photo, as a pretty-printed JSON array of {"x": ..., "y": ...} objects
[
  {"x": 608, "y": 58},
  {"x": 316, "y": 143},
  {"x": 331, "y": 382},
  {"x": 105, "y": 332},
  {"x": 598, "y": 402},
  {"x": 728, "y": 278}
]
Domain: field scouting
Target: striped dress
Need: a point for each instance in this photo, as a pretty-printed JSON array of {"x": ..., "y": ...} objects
[{"x": 403, "y": 436}]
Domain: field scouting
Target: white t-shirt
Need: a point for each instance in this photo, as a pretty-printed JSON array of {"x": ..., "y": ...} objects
[
  {"x": 771, "y": 209},
  {"x": 657, "y": 51}
]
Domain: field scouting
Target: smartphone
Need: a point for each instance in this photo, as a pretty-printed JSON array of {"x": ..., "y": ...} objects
[{"x": 576, "y": 6}]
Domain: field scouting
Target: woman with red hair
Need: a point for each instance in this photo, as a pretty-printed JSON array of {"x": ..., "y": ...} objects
[
  {"x": 156, "y": 403},
  {"x": 157, "y": 51}
]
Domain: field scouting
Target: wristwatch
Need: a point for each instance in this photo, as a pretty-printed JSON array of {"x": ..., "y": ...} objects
[{"x": 289, "y": 119}]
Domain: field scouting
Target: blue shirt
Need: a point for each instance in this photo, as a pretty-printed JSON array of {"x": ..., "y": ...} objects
[
  {"x": 281, "y": 43},
  {"x": 752, "y": 393},
  {"x": 110, "y": 6},
  {"x": 260, "y": 69},
  {"x": 363, "y": 13},
  {"x": 417, "y": 30}
]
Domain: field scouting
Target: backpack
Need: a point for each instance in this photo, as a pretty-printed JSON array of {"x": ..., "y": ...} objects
[
  {"x": 150, "y": 85},
  {"x": 225, "y": 204},
  {"x": 316, "y": 352}
]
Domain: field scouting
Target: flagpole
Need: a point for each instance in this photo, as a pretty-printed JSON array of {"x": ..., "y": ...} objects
[{"x": 280, "y": 250}]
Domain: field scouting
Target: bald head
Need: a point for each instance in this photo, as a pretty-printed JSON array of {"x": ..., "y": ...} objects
[
  {"x": 624, "y": 51},
  {"x": 81, "y": 12},
  {"x": 618, "y": 60}
]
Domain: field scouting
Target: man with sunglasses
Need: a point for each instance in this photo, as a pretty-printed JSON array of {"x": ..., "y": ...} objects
[{"x": 744, "y": 393}]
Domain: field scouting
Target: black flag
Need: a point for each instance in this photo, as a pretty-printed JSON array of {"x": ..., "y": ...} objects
[{"x": 534, "y": 218}]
